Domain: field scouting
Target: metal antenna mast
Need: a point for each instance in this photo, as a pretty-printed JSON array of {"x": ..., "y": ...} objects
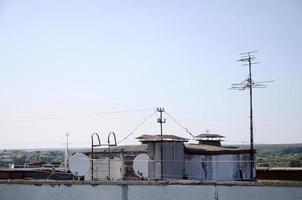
[
  {"x": 66, "y": 157},
  {"x": 161, "y": 121},
  {"x": 67, "y": 134},
  {"x": 248, "y": 59}
]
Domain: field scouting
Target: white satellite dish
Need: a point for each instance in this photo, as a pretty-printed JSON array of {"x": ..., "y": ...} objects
[
  {"x": 79, "y": 164},
  {"x": 140, "y": 165}
]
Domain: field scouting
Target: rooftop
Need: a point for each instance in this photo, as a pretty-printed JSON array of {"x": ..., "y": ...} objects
[
  {"x": 208, "y": 136},
  {"x": 140, "y": 148},
  {"x": 189, "y": 148},
  {"x": 158, "y": 138},
  {"x": 211, "y": 149}
]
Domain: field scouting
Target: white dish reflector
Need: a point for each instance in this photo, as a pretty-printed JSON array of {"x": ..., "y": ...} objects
[
  {"x": 79, "y": 164},
  {"x": 140, "y": 165}
]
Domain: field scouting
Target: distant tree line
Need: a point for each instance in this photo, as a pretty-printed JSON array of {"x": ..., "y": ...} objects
[
  {"x": 279, "y": 155},
  {"x": 20, "y": 157}
]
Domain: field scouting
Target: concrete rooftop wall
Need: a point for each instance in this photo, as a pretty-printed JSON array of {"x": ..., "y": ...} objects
[{"x": 136, "y": 191}]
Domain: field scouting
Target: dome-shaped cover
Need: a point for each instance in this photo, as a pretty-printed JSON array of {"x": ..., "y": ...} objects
[
  {"x": 79, "y": 164},
  {"x": 140, "y": 165}
]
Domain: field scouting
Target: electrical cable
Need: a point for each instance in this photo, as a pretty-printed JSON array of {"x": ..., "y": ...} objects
[
  {"x": 140, "y": 124},
  {"x": 179, "y": 124},
  {"x": 62, "y": 116}
]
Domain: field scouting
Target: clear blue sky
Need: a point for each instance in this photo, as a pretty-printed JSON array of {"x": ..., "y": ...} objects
[{"x": 73, "y": 57}]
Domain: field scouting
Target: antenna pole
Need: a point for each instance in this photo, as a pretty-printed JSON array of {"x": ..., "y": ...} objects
[
  {"x": 248, "y": 59},
  {"x": 66, "y": 160},
  {"x": 161, "y": 121},
  {"x": 92, "y": 157},
  {"x": 252, "y": 158},
  {"x": 67, "y": 134}
]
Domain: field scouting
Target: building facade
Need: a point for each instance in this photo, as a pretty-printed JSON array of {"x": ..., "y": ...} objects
[{"x": 172, "y": 157}]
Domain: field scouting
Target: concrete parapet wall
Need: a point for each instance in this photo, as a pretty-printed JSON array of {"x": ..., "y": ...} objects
[{"x": 67, "y": 190}]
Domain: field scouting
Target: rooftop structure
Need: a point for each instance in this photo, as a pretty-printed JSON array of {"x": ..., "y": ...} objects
[
  {"x": 208, "y": 136},
  {"x": 209, "y": 139},
  {"x": 205, "y": 149},
  {"x": 159, "y": 138},
  {"x": 171, "y": 157},
  {"x": 126, "y": 149}
]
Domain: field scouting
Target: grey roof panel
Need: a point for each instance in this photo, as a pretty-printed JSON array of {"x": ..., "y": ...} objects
[
  {"x": 204, "y": 149},
  {"x": 117, "y": 149},
  {"x": 157, "y": 138},
  {"x": 209, "y": 135}
]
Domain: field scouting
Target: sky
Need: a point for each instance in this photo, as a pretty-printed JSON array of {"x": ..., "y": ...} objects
[{"x": 73, "y": 66}]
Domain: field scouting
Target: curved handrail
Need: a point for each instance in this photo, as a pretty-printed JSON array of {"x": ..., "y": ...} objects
[
  {"x": 92, "y": 154},
  {"x": 114, "y": 137},
  {"x": 98, "y": 137},
  {"x": 109, "y": 145}
]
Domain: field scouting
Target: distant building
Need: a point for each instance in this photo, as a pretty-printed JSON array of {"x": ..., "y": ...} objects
[{"x": 6, "y": 158}]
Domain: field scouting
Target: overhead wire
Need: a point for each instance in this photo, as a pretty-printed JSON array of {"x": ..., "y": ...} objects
[
  {"x": 77, "y": 115},
  {"x": 58, "y": 116},
  {"x": 62, "y": 116},
  {"x": 179, "y": 124},
  {"x": 139, "y": 125}
]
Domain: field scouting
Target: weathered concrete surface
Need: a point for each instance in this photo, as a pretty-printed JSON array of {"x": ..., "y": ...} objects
[
  {"x": 171, "y": 192},
  {"x": 256, "y": 193},
  {"x": 137, "y": 190},
  {"x": 59, "y": 192}
]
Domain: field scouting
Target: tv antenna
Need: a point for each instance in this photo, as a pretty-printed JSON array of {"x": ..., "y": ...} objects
[
  {"x": 66, "y": 156},
  {"x": 248, "y": 59}
]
